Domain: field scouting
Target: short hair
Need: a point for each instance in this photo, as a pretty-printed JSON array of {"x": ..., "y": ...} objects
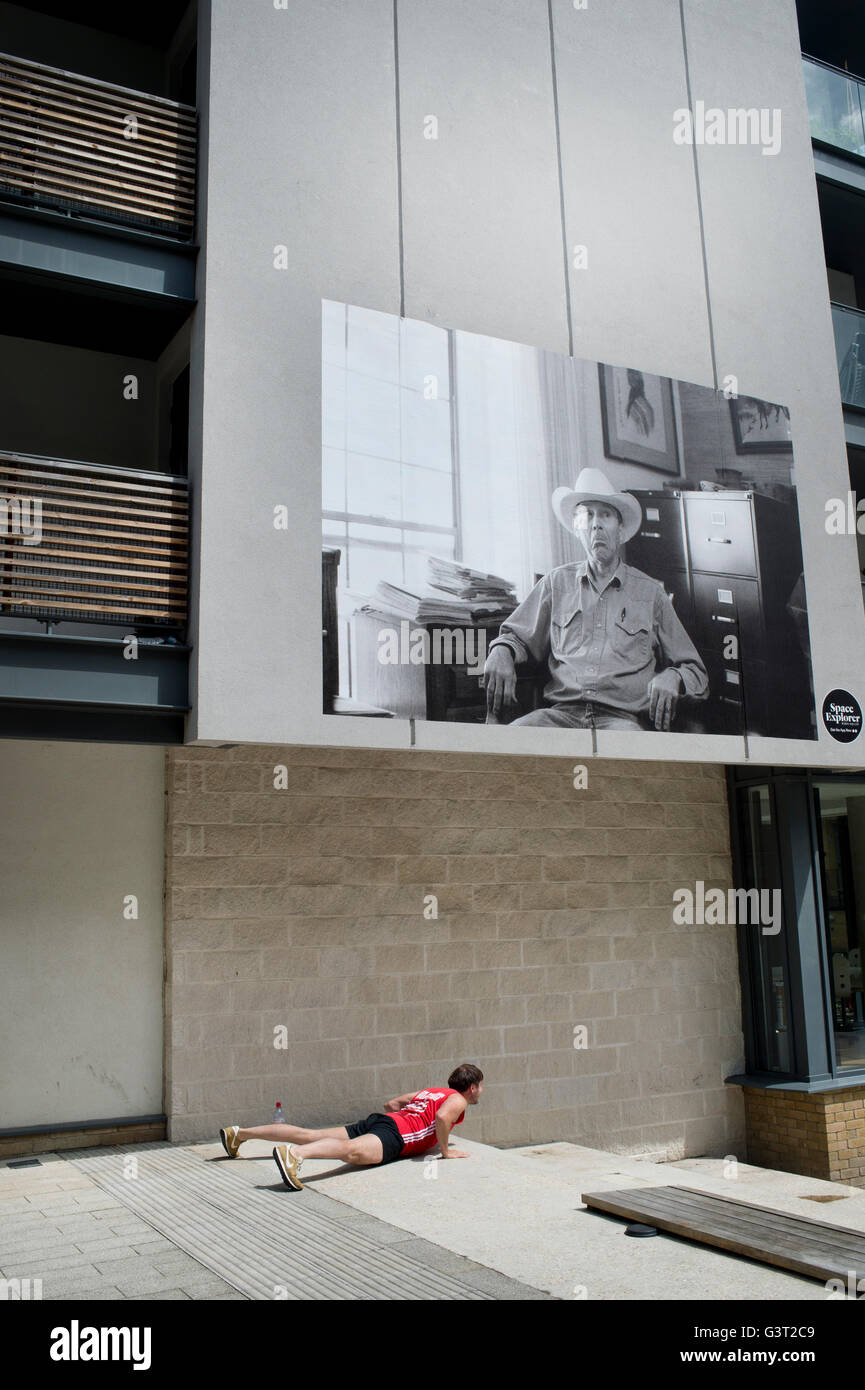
[{"x": 465, "y": 1075}]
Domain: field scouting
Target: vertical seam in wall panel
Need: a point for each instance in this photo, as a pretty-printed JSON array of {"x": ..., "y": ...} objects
[
  {"x": 561, "y": 178},
  {"x": 711, "y": 324},
  {"x": 455, "y": 444},
  {"x": 699, "y": 200},
  {"x": 398, "y": 159}
]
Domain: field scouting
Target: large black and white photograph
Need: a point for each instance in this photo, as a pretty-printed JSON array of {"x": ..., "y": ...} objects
[{"x": 514, "y": 536}]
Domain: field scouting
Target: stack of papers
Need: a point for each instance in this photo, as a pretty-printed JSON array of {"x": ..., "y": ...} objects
[
  {"x": 435, "y": 607},
  {"x": 469, "y": 584}
]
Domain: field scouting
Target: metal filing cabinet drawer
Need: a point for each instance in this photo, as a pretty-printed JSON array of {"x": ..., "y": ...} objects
[
  {"x": 720, "y": 534},
  {"x": 659, "y": 545},
  {"x": 726, "y": 712},
  {"x": 727, "y": 605}
]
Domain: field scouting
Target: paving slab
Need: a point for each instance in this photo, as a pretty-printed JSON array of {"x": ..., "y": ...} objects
[
  {"x": 505, "y": 1224},
  {"x": 63, "y": 1248},
  {"x": 262, "y": 1240},
  {"x": 518, "y": 1211}
]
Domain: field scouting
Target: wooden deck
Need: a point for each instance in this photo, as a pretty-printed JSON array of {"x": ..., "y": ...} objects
[{"x": 797, "y": 1243}]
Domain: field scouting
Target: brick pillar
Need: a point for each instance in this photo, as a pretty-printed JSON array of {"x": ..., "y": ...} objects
[{"x": 820, "y": 1135}]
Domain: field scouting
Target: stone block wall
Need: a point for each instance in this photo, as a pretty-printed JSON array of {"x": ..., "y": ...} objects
[{"x": 305, "y": 914}]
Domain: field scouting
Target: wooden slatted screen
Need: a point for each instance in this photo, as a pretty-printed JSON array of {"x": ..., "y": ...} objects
[
  {"x": 74, "y": 142},
  {"x": 92, "y": 544}
]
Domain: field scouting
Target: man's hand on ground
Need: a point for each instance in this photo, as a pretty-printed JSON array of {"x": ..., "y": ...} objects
[
  {"x": 500, "y": 680},
  {"x": 664, "y": 692},
  {"x": 456, "y": 1153}
]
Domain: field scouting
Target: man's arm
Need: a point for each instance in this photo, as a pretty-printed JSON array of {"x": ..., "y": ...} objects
[
  {"x": 680, "y": 654},
  {"x": 399, "y": 1101},
  {"x": 446, "y": 1118},
  {"x": 683, "y": 672},
  {"x": 527, "y": 631},
  {"x": 525, "y": 634}
]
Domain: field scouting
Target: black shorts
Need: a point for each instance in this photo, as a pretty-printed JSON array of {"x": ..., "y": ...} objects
[{"x": 385, "y": 1128}]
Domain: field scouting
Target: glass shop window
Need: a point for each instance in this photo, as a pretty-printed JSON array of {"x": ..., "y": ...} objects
[
  {"x": 768, "y": 956},
  {"x": 840, "y": 811}
]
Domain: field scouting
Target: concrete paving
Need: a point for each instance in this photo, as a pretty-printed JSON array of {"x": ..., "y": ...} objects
[
  {"x": 518, "y": 1211},
  {"x": 503, "y": 1224},
  {"x": 62, "y": 1229}
]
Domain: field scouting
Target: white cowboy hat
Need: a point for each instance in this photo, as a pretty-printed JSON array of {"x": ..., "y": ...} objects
[{"x": 594, "y": 486}]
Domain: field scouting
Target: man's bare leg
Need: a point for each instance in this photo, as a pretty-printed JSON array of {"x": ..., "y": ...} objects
[
  {"x": 365, "y": 1151},
  {"x": 291, "y": 1134}
]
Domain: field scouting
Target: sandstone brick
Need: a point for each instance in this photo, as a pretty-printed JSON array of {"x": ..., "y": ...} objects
[
  {"x": 471, "y": 926},
  {"x": 455, "y": 1013},
  {"x": 191, "y": 935},
  {"x": 492, "y": 1013},
  {"x": 372, "y": 989},
  {"x": 518, "y": 868},
  {"x": 476, "y": 984},
  {"x": 288, "y": 964},
  {"x": 251, "y": 935},
  {"x": 532, "y": 1037},
  {"x": 399, "y": 960},
  {"x": 432, "y": 987},
  {"x": 607, "y": 1031},
  {"x": 542, "y": 952},
  {"x": 587, "y": 1005},
  {"x": 499, "y": 897},
  {"x": 346, "y": 960},
  {"x": 226, "y": 965},
  {"x": 617, "y": 975},
  {"x": 424, "y": 869},
  {"x": 454, "y": 956},
  {"x": 508, "y": 1070},
  {"x": 522, "y": 981},
  {"x": 489, "y": 954}
]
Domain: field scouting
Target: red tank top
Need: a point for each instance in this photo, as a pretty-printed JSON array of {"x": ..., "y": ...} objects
[{"x": 416, "y": 1121}]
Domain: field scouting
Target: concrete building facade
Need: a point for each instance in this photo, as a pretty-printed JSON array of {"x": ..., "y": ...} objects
[{"x": 341, "y": 908}]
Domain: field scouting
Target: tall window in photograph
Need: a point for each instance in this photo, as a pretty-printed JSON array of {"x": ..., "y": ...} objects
[{"x": 389, "y": 487}]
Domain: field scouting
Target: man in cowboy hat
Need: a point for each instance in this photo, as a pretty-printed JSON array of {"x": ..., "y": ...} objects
[{"x": 618, "y": 656}]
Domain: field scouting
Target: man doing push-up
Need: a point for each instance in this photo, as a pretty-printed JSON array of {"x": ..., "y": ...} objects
[{"x": 410, "y": 1124}]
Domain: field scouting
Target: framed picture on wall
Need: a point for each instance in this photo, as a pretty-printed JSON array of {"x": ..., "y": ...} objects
[
  {"x": 637, "y": 415},
  {"x": 760, "y": 427}
]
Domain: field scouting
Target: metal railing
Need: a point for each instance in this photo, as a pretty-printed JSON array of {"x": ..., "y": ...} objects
[
  {"x": 87, "y": 543},
  {"x": 836, "y": 106},
  {"x": 73, "y": 143}
]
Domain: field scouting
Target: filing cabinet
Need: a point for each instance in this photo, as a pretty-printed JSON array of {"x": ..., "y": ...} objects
[
  {"x": 720, "y": 533},
  {"x": 727, "y": 606},
  {"x": 731, "y": 577},
  {"x": 660, "y": 541},
  {"x": 660, "y": 549}
]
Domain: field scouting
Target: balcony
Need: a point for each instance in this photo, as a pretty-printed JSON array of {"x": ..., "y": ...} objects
[
  {"x": 88, "y": 549},
  {"x": 92, "y": 544},
  {"x": 849, "y": 328},
  {"x": 836, "y": 103},
  {"x": 90, "y": 149}
]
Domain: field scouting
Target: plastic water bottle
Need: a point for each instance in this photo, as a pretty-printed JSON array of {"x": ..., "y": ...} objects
[{"x": 278, "y": 1117}]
